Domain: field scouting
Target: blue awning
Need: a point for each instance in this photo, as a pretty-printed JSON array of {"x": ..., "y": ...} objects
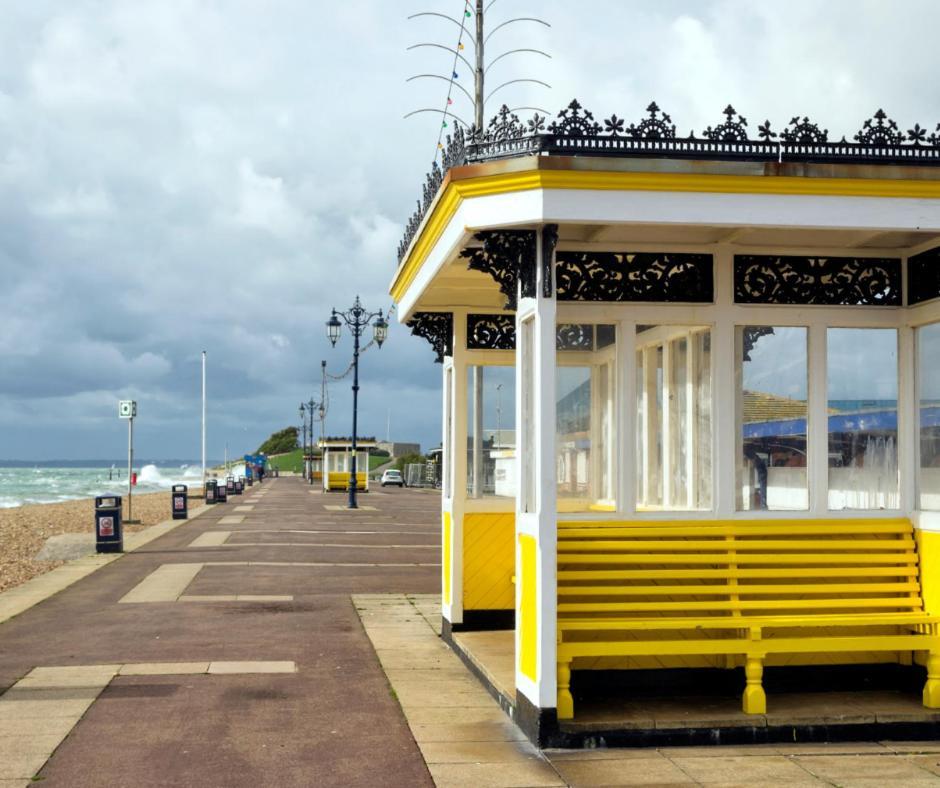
[{"x": 861, "y": 421}]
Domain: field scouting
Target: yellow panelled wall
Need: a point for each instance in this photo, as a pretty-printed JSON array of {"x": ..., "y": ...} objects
[
  {"x": 489, "y": 561},
  {"x": 528, "y": 607},
  {"x": 446, "y": 560}
]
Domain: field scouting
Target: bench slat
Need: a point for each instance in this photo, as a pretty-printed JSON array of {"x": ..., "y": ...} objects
[
  {"x": 797, "y": 645},
  {"x": 744, "y": 558},
  {"x": 722, "y": 545},
  {"x": 765, "y": 528},
  {"x": 795, "y": 572},
  {"x": 742, "y": 590},
  {"x": 728, "y": 621},
  {"x": 741, "y": 604}
]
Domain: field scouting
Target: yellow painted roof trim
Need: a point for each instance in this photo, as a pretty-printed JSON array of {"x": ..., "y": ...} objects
[{"x": 456, "y": 191}]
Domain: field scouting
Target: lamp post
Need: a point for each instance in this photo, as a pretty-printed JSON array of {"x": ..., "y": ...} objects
[
  {"x": 357, "y": 318},
  {"x": 303, "y": 436}
]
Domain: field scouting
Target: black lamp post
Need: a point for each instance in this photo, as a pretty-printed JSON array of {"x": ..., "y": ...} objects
[
  {"x": 309, "y": 466},
  {"x": 357, "y": 319},
  {"x": 303, "y": 437}
]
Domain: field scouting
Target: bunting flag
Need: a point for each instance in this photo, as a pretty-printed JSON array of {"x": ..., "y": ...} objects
[
  {"x": 456, "y": 75},
  {"x": 449, "y": 101},
  {"x": 460, "y": 47}
]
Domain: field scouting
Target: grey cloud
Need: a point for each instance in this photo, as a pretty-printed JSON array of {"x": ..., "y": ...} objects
[{"x": 179, "y": 176}]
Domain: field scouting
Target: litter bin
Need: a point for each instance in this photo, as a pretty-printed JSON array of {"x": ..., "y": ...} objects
[
  {"x": 249, "y": 481},
  {"x": 211, "y": 484},
  {"x": 109, "y": 531},
  {"x": 230, "y": 485},
  {"x": 239, "y": 487},
  {"x": 180, "y": 502},
  {"x": 221, "y": 493}
]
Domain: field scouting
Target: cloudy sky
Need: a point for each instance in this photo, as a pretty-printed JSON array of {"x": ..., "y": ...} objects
[{"x": 180, "y": 175}]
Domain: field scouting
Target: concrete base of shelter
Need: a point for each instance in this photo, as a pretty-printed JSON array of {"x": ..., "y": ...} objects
[{"x": 662, "y": 708}]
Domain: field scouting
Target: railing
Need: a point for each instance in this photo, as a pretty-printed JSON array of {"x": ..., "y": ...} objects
[{"x": 575, "y": 132}]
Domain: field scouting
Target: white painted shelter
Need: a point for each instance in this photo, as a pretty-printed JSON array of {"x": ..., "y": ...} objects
[{"x": 714, "y": 329}]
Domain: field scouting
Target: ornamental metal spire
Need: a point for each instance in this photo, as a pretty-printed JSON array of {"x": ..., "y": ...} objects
[{"x": 474, "y": 32}]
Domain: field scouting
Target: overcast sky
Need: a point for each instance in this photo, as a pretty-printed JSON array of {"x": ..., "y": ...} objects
[{"x": 180, "y": 175}]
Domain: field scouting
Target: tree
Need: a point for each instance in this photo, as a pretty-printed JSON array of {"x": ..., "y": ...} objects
[{"x": 280, "y": 442}]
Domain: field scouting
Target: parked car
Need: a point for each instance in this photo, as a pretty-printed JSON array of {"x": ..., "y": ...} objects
[{"x": 392, "y": 477}]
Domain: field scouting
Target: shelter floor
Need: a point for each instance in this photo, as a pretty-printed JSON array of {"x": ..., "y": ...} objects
[{"x": 599, "y": 708}]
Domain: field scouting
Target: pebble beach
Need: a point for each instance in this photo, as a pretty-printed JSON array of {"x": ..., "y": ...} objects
[{"x": 25, "y": 529}]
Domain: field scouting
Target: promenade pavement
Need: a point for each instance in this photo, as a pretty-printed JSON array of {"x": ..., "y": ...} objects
[
  {"x": 227, "y": 652},
  {"x": 247, "y": 648}
]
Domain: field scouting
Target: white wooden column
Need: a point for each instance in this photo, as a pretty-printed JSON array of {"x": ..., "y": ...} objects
[
  {"x": 454, "y": 424},
  {"x": 536, "y": 501}
]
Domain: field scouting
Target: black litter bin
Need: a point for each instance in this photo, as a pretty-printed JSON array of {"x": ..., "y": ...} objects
[
  {"x": 180, "y": 502},
  {"x": 109, "y": 530},
  {"x": 239, "y": 487},
  {"x": 211, "y": 485},
  {"x": 230, "y": 485},
  {"x": 221, "y": 493}
]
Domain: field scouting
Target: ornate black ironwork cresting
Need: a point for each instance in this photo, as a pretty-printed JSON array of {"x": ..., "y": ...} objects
[
  {"x": 438, "y": 329},
  {"x": 642, "y": 276},
  {"x": 575, "y": 132},
  {"x": 832, "y": 281},
  {"x": 509, "y": 257},
  {"x": 491, "y": 332},
  {"x": 923, "y": 276}
]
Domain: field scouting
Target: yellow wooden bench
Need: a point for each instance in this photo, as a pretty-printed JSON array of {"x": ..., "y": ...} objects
[{"x": 740, "y": 588}]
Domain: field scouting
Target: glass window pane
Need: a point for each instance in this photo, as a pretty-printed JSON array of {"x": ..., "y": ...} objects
[
  {"x": 928, "y": 371},
  {"x": 674, "y": 417},
  {"x": 491, "y": 432},
  {"x": 772, "y": 375},
  {"x": 585, "y": 440},
  {"x": 862, "y": 367}
]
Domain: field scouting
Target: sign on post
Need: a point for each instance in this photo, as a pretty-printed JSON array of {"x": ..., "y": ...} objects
[{"x": 127, "y": 409}]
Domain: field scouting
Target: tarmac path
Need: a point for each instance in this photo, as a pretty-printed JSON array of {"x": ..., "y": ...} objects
[{"x": 269, "y": 583}]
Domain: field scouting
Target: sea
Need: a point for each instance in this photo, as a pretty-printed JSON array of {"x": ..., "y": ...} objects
[{"x": 42, "y": 483}]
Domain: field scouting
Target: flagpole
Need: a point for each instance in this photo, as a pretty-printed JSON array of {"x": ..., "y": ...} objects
[{"x": 203, "y": 418}]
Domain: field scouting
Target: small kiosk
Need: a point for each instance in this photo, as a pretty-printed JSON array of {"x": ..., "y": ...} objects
[
  {"x": 713, "y": 366},
  {"x": 313, "y": 461},
  {"x": 337, "y": 463}
]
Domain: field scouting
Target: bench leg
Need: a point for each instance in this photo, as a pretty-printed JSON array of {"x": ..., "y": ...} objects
[
  {"x": 932, "y": 687},
  {"x": 755, "y": 699},
  {"x": 565, "y": 699}
]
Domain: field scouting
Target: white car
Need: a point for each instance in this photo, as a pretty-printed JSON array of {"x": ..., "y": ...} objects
[{"x": 392, "y": 477}]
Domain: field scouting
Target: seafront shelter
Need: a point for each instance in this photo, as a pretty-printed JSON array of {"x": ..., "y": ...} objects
[
  {"x": 337, "y": 463},
  {"x": 691, "y": 398}
]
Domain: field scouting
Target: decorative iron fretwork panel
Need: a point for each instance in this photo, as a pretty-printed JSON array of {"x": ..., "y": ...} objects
[
  {"x": 923, "y": 276},
  {"x": 498, "y": 332},
  {"x": 584, "y": 336},
  {"x": 642, "y": 276},
  {"x": 491, "y": 332},
  {"x": 575, "y": 132},
  {"x": 833, "y": 281},
  {"x": 509, "y": 257},
  {"x": 438, "y": 329}
]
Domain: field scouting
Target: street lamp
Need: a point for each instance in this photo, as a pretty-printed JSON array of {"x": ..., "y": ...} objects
[
  {"x": 357, "y": 319},
  {"x": 303, "y": 436}
]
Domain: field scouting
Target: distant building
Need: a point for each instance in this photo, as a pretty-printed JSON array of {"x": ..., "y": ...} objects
[{"x": 397, "y": 449}]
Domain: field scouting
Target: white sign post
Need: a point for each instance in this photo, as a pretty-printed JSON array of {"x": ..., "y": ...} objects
[{"x": 127, "y": 409}]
